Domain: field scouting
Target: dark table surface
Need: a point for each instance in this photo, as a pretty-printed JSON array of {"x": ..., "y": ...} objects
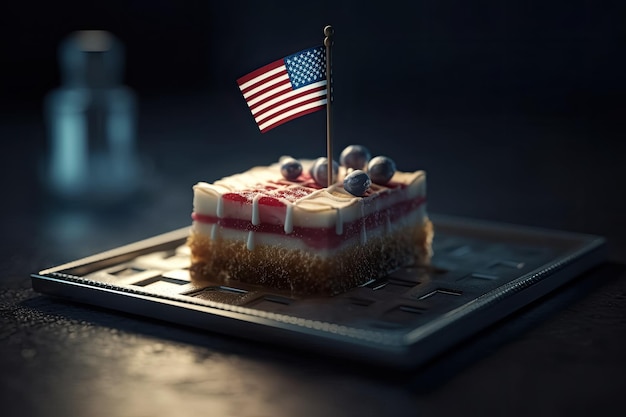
[{"x": 562, "y": 355}]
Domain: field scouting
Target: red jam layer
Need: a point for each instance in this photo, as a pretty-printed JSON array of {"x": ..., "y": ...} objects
[
  {"x": 316, "y": 237},
  {"x": 291, "y": 191}
]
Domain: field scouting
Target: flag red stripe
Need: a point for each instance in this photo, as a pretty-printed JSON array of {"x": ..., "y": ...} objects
[
  {"x": 294, "y": 116},
  {"x": 264, "y": 82},
  {"x": 268, "y": 98},
  {"x": 256, "y": 73},
  {"x": 261, "y": 119},
  {"x": 270, "y": 88},
  {"x": 258, "y": 115}
]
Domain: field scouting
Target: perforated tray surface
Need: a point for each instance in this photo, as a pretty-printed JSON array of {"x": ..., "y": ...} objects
[{"x": 481, "y": 272}]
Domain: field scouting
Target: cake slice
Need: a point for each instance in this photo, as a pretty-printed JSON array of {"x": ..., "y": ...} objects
[{"x": 257, "y": 227}]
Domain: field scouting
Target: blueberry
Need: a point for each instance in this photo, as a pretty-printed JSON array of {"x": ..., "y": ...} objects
[
  {"x": 290, "y": 168},
  {"x": 312, "y": 168},
  {"x": 319, "y": 171},
  {"x": 357, "y": 182},
  {"x": 381, "y": 169},
  {"x": 355, "y": 157}
]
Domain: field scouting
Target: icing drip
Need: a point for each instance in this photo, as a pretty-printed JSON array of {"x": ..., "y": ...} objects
[
  {"x": 387, "y": 222},
  {"x": 289, "y": 219},
  {"x": 339, "y": 223},
  {"x": 363, "y": 231},
  {"x": 256, "y": 220},
  {"x": 220, "y": 207},
  {"x": 250, "y": 242},
  {"x": 214, "y": 231}
]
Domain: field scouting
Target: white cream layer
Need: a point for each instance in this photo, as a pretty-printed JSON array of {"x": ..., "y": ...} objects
[
  {"x": 252, "y": 238},
  {"x": 326, "y": 207}
]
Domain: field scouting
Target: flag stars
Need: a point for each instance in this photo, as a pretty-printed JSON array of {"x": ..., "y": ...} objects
[{"x": 306, "y": 67}]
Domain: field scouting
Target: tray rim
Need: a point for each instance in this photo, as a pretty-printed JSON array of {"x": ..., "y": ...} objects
[{"x": 392, "y": 347}]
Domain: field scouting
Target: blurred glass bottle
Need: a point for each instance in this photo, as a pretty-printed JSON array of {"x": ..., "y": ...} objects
[{"x": 91, "y": 120}]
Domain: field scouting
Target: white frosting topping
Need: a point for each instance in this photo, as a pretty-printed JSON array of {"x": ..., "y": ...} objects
[{"x": 300, "y": 203}]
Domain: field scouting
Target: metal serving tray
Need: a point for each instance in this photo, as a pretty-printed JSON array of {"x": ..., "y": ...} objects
[{"x": 481, "y": 272}]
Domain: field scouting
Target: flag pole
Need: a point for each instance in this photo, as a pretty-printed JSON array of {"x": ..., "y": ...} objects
[{"x": 328, "y": 43}]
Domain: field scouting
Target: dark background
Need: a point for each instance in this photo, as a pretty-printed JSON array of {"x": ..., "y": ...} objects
[
  {"x": 552, "y": 58},
  {"x": 548, "y": 59},
  {"x": 516, "y": 109}
]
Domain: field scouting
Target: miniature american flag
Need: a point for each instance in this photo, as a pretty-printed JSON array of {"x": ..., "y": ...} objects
[{"x": 287, "y": 88}]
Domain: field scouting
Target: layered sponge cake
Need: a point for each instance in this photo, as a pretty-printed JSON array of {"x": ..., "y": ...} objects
[{"x": 260, "y": 227}]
